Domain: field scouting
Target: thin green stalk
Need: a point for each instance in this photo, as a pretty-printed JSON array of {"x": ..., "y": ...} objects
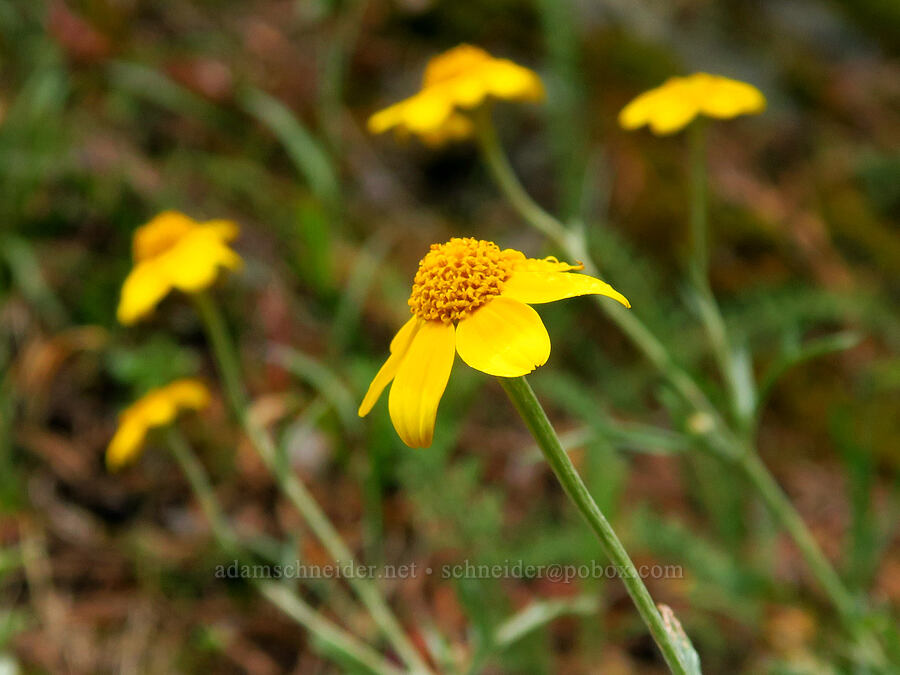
[
  {"x": 325, "y": 630},
  {"x": 529, "y": 408},
  {"x": 203, "y": 490},
  {"x": 721, "y": 438},
  {"x": 710, "y": 314},
  {"x": 574, "y": 245},
  {"x": 503, "y": 173},
  {"x": 294, "y": 489},
  {"x": 698, "y": 217},
  {"x": 850, "y": 610},
  {"x": 278, "y": 594}
]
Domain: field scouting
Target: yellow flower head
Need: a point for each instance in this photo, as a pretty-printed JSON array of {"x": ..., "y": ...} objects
[
  {"x": 456, "y": 81},
  {"x": 174, "y": 251},
  {"x": 673, "y": 105},
  {"x": 472, "y": 298},
  {"x": 156, "y": 409}
]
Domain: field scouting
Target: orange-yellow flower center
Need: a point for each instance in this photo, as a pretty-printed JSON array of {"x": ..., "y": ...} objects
[{"x": 458, "y": 277}]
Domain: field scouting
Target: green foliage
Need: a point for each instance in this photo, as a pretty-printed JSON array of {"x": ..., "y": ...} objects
[{"x": 153, "y": 363}]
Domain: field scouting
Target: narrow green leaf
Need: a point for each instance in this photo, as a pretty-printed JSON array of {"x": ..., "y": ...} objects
[
  {"x": 304, "y": 150},
  {"x": 813, "y": 349}
]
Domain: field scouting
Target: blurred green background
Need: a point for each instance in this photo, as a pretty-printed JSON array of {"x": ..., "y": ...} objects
[{"x": 255, "y": 111}]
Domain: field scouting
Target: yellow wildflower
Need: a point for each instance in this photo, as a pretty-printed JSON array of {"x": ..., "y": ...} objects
[
  {"x": 157, "y": 408},
  {"x": 471, "y": 298},
  {"x": 456, "y": 81},
  {"x": 673, "y": 105},
  {"x": 174, "y": 251}
]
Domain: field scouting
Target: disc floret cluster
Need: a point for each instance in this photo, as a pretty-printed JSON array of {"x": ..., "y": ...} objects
[{"x": 457, "y": 277}]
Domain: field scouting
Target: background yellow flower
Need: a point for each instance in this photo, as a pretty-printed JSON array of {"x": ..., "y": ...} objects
[
  {"x": 673, "y": 105},
  {"x": 157, "y": 408},
  {"x": 471, "y": 298},
  {"x": 174, "y": 251},
  {"x": 457, "y": 80}
]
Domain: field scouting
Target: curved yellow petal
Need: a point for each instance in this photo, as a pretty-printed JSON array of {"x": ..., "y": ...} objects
[
  {"x": 672, "y": 114},
  {"x": 426, "y": 112},
  {"x": 639, "y": 111},
  {"x": 386, "y": 119},
  {"x": 505, "y": 338},
  {"x": 420, "y": 381},
  {"x": 226, "y": 230},
  {"x": 188, "y": 393},
  {"x": 457, "y": 61},
  {"x": 160, "y": 234},
  {"x": 193, "y": 264},
  {"x": 457, "y": 128},
  {"x": 727, "y": 98},
  {"x": 536, "y": 281},
  {"x": 388, "y": 370},
  {"x": 158, "y": 410},
  {"x": 125, "y": 444},
  {"x": 507, "y": 80},
  {"x": 466, "y": 91},
  {"x": 143, "y": 289}
]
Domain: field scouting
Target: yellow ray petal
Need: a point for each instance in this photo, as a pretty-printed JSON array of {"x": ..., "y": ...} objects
[
  {"x": 535, "y": 281},
  {"x": 507, "y": 80},
  {"x": 505, "y": 338},
  {"x": 194, "y": 263},
  {"x": 125, "y": 444},
  {"x": 727, "y": 98},
  {"x": 640, "y": 110},
  {"x": 144, "y": 287},
  {"x": 160, "y": 234},
  {"x": 454, "y": 62},
  {"x": 420, "y": 382},
  {"x": 388, "y": 370},
  {"x": 386, "y": 119},
  {"x": 188, "y": 393},
  {"x": 426, "y": 112},
  {"x": 225, "y": 230},
  {"x": 673, "y": 113}
]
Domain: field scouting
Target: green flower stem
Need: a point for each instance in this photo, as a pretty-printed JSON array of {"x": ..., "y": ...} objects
[
  {"x": 849, "y": 608},
  {"x": 529, "y": 408},
  {"x": 509, "y": 183},
  {"x": 203, "y": 490},
  {"x": 699, "y": 218},
  {"x": 294, "y": 489},
  {"x": 710, "y": 314},
  {"x": 753, "y": 468},
  {"x": 574, "y": 245},
  {"x": 748, "y": 460},
  {"x": 722, "y": 440},
  {"x": 292, "y": 605},
  {"x": 278, "y": 594}
]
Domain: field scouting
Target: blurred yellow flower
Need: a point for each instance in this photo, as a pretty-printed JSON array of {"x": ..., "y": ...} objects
[
  {"x": 174, "y": 251},
  {"x": 471, "y": 298},
  {"x": 457, "y": 80},
  {"x": 673, "y": 105},
  {"x": 157, "y": 408}
]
